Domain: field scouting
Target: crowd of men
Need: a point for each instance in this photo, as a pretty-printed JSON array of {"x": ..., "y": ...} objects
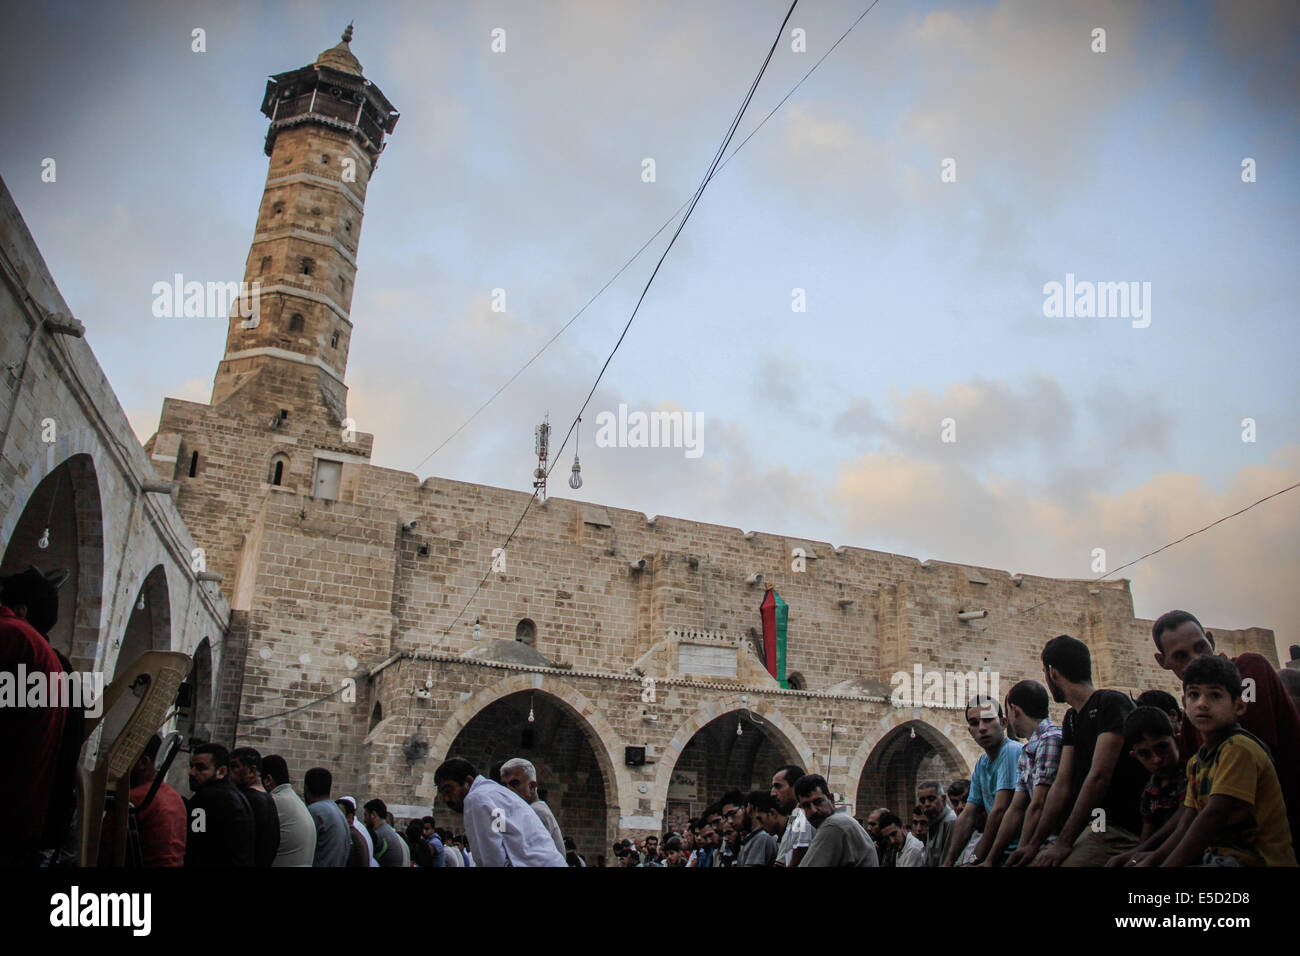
[{"x": 1211, "y": 780}]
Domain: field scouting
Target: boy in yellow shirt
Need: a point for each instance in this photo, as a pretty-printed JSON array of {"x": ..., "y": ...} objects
[{"x": 1234, "y": 814}]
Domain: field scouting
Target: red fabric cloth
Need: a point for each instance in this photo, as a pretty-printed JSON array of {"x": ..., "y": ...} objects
[
  {"x": 29, "y": 739},
  {"x": 161, "y": 826},
  {"x": 1272, "y": 717}
]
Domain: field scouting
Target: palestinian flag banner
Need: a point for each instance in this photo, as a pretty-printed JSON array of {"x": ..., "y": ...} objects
[{"x": 776, "y": 619}]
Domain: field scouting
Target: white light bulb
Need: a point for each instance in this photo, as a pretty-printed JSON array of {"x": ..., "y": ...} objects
[
  {"x": 739, "y": 730},
  {"x": 139, "y": 605},
  {"x": 575, "y": 479},
  {"x": 44, "y": 541},
  {"x": 478, "y": 631},
  {"x": 531, "y": 718}
]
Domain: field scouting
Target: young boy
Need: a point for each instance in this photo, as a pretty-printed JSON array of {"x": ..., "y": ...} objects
[
  {"x": 1153, "y": 742},
  {"x": 1235, "y": 815}
]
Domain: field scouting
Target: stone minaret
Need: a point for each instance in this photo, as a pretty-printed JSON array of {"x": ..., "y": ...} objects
[
  {"x": 327, "y": 130},
  {"x": 277, "y": 422}
]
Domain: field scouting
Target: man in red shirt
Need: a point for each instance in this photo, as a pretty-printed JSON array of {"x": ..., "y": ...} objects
[
  {"x": 161, "y": 825},
  {"x": 1271, "y": 716},
  {"x": 30, "y": 736}
]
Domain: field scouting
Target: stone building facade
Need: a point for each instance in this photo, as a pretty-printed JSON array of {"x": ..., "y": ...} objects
[
  {"x": 619, "y": 652},
  {"x": 77, "y": 492}
]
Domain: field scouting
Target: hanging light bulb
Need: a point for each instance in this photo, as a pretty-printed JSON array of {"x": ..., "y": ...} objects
[
  {"x": 44, "y": 541},
  {"x": 740, "y": 730},
  {"x": 913, "y": 733},
  {"x": 478, "y": 631},
  {"x": 575, "y": 478},
  {"x": 531, "y": 718},
  {"x": 139, "y": 605}
]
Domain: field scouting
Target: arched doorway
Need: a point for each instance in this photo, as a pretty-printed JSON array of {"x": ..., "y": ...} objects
[
  {"x": 147, "y": 628},
  {"x": 560, "y": 745},
  {"x": 911, "y": 752},
  {"x": 194, "y": 716},
  {"x": 738, "y": 750},
  {"x": 61, "y": 526}
]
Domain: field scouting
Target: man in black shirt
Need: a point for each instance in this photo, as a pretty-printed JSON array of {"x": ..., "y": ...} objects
[
  {"x": 1098, "y": 783},
  {"x": 220, "y": 819},
  {"x": 246, "y": 774}
]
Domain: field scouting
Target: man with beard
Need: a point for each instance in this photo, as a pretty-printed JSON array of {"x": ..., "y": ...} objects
[
  {"x": 839, "y": 840},
  {"x": 502, "y": 828},
  {"x": 706, "y": 844},
  {"x": 221, "y": 821},
  {"x": 993, "y": 782},
  {"x": 757, "y": 847},
  {"x": 1098, "y": 782},
  {"x": 885, "y": 851},
  {"x": 246, "y": 774},
  {"x": 940, "y": 819},
  {"x": 907, "y": 849},
  {"x": 521, "y": 776},
  {"x": 798, "y": 833}
]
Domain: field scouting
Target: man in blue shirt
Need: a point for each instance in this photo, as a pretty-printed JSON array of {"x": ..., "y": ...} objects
[{"x": 993, "y": 783}]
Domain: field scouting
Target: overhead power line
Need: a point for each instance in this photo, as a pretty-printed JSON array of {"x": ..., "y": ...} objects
[{"x": 713, "y": 167}]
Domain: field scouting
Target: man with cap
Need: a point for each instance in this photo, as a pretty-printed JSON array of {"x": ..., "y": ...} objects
[
  {"x": 349, "y": 807},
  {"x": 31, "y": 738}
]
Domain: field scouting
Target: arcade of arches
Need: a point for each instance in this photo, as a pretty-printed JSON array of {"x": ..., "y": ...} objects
[{"x": 543, "y": 729}]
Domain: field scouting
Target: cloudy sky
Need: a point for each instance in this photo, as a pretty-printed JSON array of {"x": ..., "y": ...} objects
[{"x": 522, "y": 170}]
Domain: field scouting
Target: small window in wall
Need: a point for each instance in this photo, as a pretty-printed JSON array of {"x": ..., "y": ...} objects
[
  {"x": 376, "y": 716},
  {"x": 526, "y": 632},
  {"x": 194, "y": 464},
  {"x": 266, "y": 264},
  {"x": 334, "y": 341},
  {"x": 347, "y": 226},
  {"x": 796, "y": 681},
  {"x": 277, "y": 208},
  {"x": 308, "y": 266},
  {"x": 343, "y": 285},
  {"x": 315, "y": 210},
  {"x": 279, "y": 469},
  {"x": 295, "y": 322},
  {"x": 324, "y": 159}
]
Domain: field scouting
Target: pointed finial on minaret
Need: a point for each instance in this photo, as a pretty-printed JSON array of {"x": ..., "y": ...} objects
[{"x": 347, "y": 34}]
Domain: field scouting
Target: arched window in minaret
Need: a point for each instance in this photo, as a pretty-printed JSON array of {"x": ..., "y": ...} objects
[
  {"x": 295, "y": 322},
  {"x": 277, "y": 207},
  {"x": 279, "y": 469},
  {"x": 526, "y": 632},
  {"x": 334, "y": 341},
  {"x": 308, "y": 265},
  {"x": 324, "y": 159},
  {"x": 347, "y": 226},
  {"x": 194, "y": 464},
  {"x": 266, "y": 265}
]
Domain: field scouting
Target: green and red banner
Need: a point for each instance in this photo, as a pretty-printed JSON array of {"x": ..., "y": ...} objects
[{"x": 776, "y": 620}]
